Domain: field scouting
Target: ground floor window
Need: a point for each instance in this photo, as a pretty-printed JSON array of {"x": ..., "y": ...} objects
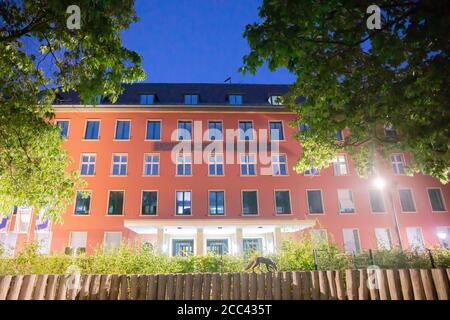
[
  {"x": 182, "y": 247},
  {"x": 415, "y": 238},
  {"x": 112, "y": 240},
  {"x": 43, "y": 240},
  {"x": 383, "y": 238},
  {"x": 251, "y": 245},
  {"x": 78, "y": 240},
  {"x": 351, "y": 240},
  {"x": 443, "y": 234},
  {"x": 8, "y": 243},
  {"x": 217, "y": 246}
]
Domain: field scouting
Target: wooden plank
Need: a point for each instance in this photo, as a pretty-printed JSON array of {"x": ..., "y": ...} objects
[
  {"x": 85, "y": 285},
  {"x": 124, "y": 287},
  {"x": 206, "y": 291},
  {"x": 269, "y": 286},
  {"x": 352, "y": 284},
  {"x": 340, "y": 286},
  {"x": 179, "y": 286},
  {"x": 73, "y": 286},
  {"x": 331, "y": 279},
  {"x": 215, "y": 286},
  {"x": 5, "y": 282},
  {"x": 276, "y": 283},
  {"x": 152, "y": 287},
  {"x": 286, "y": 281},
  {"x": 253, "y": 285},
  {"x": 161, "y": 286},
  {"x": 306, "y": 285},
  {"x": 315, "y": 286},
  {"x": 393, "y": 279},
  {"x": 236, "y": 286},
  {"x": 134, "y": 287},
  {"x": 226, "y": 285},
  {"x": 296, "y": 285},
  {"x": 50, "y": 292},
  {"x": 441, "y": 283},
  {"x": 363, "y": 288},
  {"x": 170, "y": 284},
  {"x": 197, "y": 289},
  {"x": 62, "y": 287},
  {"x": 189, "y": 285},
  {"x": 261, "y": 286},
  {"x": 373, "y": 283},
  {"x": 244, "y": 285},
  {"x": 105, "y": 286},
  {"x": 26, "y": 292},
  {"x": 416, "y": 281},
  {"x": 94, "y": 289},
  {"x": 428, "y": 285},
  {"x": 383, "y": 284},
  {"x": 143, "y": 280},
  {"x": 14, "y": 290},
  {"x": 115, "y": 284},
  {"x": 41, "y": 284},
  {"x": 406, "y": 285},
  {"x": 324, "y": 290}
]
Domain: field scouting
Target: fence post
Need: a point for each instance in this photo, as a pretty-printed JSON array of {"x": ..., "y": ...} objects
[
  {"x": 372, "y": 262},
  {"x": 430, "y": 254},
  {"x": 316, "y": 263}
]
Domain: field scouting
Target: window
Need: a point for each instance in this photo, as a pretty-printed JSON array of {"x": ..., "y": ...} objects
[
  {"x": 215, "y": 164},
  {"x": 383, "y": 238},
  {"x": 147, "y": 99},
  {"x": 406, "y": 200},
  {"x": 252, "y": 245},
  {"x": 217, "y": 246},
  {"x": 351, "y": 241},
  {"x": 216, "y": 202},
  {"x": 8, "y": 243},
  {"x": 215, "y": 130},
  {"x": 184, "y": 130},
  {"x": 318, "y": 237},
  {"x": 443, "y": 234},
  {"x": 315, "y": 201},
  {"x": 398, "y": 163},
  {"x": 23, "y": 219},
  {"x": 389, "y": 131},
  {"x": 182, "y": 247},
  {"x": 149, "y": 202},
  {"x": 43, "y": 240},
  {"x": 151, "y": 165},
  {"x": 279, "y": 167},
  {"x": 119, "y": 167},
  {"x": 92, "y": 130},
  {"x": 376, "y": 201},
  {"x": 340, "y": 165},
  {"x": 153, "y": 130},
  {"x": 339, "y": 135},
  {"x": 88, "y": 164},
  {"x": 123, "y": 130},
  {"x": 183, "y": 203},
  {"x": 112, "y": 240},
  {"x": 83, "y": 203},
  {"x": 115, "y": 203},
  {"x": 304, "y": 127},
  {"x": 78, "y": 240},
  {"x": 235, "y": 99},
  {"x": 63, "y": 125},
  {"x": 249, "y": 202},
  {"x": 415, "y": 238},
  {"x": 184, "y": 165},
  {"x": 345, "y": 198},
  {"x": 436, "y": 199},
  {"x": 283, "y": 202},
  {"x": 248, "y": 164},
  {"x": 275, "y": 100},
  {"x": 312, "y": 172},
  {"x": 191, "y": 99},
  {"x": 276, "y": 130},
  {"x": 245, "y": 130}
]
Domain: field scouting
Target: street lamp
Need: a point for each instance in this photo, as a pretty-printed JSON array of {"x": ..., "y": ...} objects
[{"x": 381, "y": 184}]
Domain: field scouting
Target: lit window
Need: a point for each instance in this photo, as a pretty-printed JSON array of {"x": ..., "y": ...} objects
[
  {"x": 123, "y": 130},
  {"x": 183, "y": 203},
  {"x": 406, "y": 200},
  {"x": 149, "y": 202},
  {"x": 92, "y": 130},
  {"x": 415, "y": 238},
  {"x": 184, "y": 165},
  {"x": 345, "y": 198},
  {"x": 279, "y": 167},
  {"x": 112, "y": 240},
  {"x": 191, "y": 99},
  {"x": 340, "y": 165},
  {"x": 151, "y": 165},
  {"x": 383, "y": 237},
  {"x": 315, "y": 201},
  {"x": 182, "y": 247},
  {"x": 82, "y": 203},
  {"x": 215, "y": 130},
  {"x": 235, "y": 99},
  {"x": 115, "y": 202},
  {"x": 436, "y": 199},
  {"x": 8, "y": 243},
  {"x": 216, "y": 202},
  {"x": 215, "y": 164},
  {"x": 119, "y": 167},
  {"x": 153, "y": 130},
  {"x": 249, "y": 202},
  {"x": 248, "y": 164},
  {"x": 398, "y": 163},
  {"x": 351, "y": 241},
  {"x": 282, "y": 202},
  {"x": 276, "y": 130},
  {"x": 245, "y": 130},
  {"x": 444, "y": 236},
  {"x": 275, "y": 100},
  {"x": 376, "y": 201},
  {"x": 184, "y": 130},
  {"x": 217, "y": 246},
  {"x": 88, "y": 164},
  {"x": 147, "y": 99},
  {"x": 63, "y": 125}
]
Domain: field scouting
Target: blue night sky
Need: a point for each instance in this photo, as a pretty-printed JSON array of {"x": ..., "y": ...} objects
[{"x": 196, "y": 41}]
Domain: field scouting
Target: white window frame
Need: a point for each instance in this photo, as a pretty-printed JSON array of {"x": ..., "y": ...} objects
[
  {"x": 251, "y": 157},
  {"x": 340, "y": 166},
  {"x": 412, "y": 238},
  {"x": 111, "y": 245},
  {"x": 356, "y": 245},
  {"x": 185, "y": 160},
  {"x": 341, "y": 204},
  {"x": 398, "y": 165},
  {"x": 412, "y": 199},
  {"x": 89, "y": 163},
  {"x": 384, "y": 239},
  {"x": 442, "y": 198},
  {"x": 151, "y": 163},
  {"x": 277, "y": 164},
  {"x": 216, "y": 160},
  {"x": 83, "y": 241},
  {"x": 120, "y": 164},
  {"x": 129, "y": 130}
]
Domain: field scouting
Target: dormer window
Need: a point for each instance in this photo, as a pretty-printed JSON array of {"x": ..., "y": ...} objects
[
  {"x": 191, "y": 99},
  {"x": 275, "y": 100},
  {"x": 235, "y": 99},
  {"x": 389, "y": 131},
  {"x": 147, "y": 99}
]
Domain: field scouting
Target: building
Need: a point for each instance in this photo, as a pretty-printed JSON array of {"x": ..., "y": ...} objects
[{"x": 137, "y": 192}]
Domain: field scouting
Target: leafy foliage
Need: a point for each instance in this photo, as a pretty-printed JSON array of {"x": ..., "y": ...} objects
[
  {"x": 39, "y": 57},
  {"x": 360, "y": 79}
]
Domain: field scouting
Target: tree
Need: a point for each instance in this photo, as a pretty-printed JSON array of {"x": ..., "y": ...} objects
[
  {"x": 361, "y": 79},
  {"x": 39, "y": 58}
]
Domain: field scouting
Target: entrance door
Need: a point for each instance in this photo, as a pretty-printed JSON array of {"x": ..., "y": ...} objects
[{"x": 182, "y": 247}]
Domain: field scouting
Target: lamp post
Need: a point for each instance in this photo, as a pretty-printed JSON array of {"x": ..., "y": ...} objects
[{"x": 381, "y": 184}]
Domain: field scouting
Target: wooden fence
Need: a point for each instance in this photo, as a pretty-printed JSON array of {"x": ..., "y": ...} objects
[{"x": 403, "y": 284}]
